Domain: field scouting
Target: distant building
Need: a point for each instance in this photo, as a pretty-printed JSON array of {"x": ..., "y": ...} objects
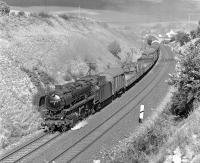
[{"x": 171, "y": 33}]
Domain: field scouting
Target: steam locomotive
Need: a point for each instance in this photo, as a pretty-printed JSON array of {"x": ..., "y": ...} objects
[{"x": 72, "y": 102}]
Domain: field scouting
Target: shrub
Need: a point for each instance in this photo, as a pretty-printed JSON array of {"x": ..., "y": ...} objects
[
  {"x": 114, "y": 48},
  {"x": 64, "y": 16},
  {"x": 34, "y": 14},
  {"x": 186, "y": 80},
  {"x": 193, "y": 34},
  {"x": 67, "y": 77},
  {"x": 4, "y": 9},
  {"x": 172, "y": 39},
  {"x": 92, "y": 67},
  {"x": 128, "y": 63},
  {"x": 21, "y": 13},
  {"x": 12, "y": 13},
  {"x": 44, "y": 15},
  {"x": 149, "y": 41},
  {"x": 198, "y": 31},
  {"x": 182, "y": 38},
  {"x": 141, "y": 145}
]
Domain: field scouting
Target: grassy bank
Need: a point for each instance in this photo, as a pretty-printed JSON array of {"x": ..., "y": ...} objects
[{"x": 145, "y": 143}]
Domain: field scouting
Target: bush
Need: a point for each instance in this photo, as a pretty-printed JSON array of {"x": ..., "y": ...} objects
[
  {"x": 67, "y": 77},
  {"x": 4, "y": 9},
  {"x": 198, "y": 30},
  {"x": 128, "y": 63},
  {"x": 193, "y": 34},
  {"x": 21, "y": 13},
  {"x": 182, "y": 38},
  {"x": 64, "y": 16},
  {"x": 186, "y": 80},
  {"x": 145, "y": 143},
  {"x": 12, "y": 13},
  {"x": 172, "y": 39},
  {"x": 149, "y": 41},
  {"x": 33, "y": 14},
  {"x": 114, "y": 48},
  {"x": 44, "y": 15}
]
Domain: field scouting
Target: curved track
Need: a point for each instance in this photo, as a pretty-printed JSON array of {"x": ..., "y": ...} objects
[
  {"x": 68, "y": 154},
  {"x": 23, "y": 151},
  {"x": 68, "y": 151},
  {"x": 26, "y": 149},
  {"x": 71, "y": 145}
]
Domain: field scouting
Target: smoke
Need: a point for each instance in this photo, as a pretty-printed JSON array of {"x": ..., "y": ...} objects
[{"x": 80, "y": 125}]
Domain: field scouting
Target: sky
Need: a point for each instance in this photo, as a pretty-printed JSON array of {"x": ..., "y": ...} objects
[{"x": 163, "y": 9}]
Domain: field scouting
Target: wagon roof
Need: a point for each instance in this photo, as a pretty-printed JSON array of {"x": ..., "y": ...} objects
[{"x": 115, "y": 71}]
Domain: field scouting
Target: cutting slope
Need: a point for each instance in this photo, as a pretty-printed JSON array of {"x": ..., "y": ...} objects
[{"x": 38, "y": 51}]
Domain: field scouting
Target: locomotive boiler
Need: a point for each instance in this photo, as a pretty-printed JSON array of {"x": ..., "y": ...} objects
[{"x": 67, "y": 95}]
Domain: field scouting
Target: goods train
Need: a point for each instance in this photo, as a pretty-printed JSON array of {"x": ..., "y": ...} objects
[{"x": 72, "y": 102}]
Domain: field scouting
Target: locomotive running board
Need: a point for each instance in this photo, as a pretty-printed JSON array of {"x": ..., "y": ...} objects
[{"x": 81, "y": 103}]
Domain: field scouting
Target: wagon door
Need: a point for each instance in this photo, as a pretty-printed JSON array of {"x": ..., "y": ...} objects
[{"x": 105, "y": 91}]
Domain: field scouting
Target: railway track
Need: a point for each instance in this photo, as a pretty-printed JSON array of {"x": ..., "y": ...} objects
[
  {"x": 68, "y": 150},
  {"x": 92, "y": 139},
  {"x": 23, "y": 152},
  {"x": 73, "y": 151}
]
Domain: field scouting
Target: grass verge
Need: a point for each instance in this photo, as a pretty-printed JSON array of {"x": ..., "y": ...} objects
[{"x": 145, "y": 143}]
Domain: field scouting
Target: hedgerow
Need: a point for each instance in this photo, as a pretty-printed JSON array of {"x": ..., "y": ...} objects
[
  {"x": 182, "y": 38},
  {"x": 186, "y": 80}
]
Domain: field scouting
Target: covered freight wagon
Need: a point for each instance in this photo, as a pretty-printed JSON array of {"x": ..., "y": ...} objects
[{"x": 117, "y": 78}]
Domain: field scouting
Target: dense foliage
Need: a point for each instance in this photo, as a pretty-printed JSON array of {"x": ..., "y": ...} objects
[
  {"x": 4, "y": 9},
  {"x": 196, "y": 32},
  {"x": 182, "y": 38},
  {"x": 114, "y": 48},
  {"x": 186, "y": 80}
]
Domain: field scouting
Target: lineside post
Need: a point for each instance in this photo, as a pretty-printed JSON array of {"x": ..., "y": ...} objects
[{"x": 141, "y": 115}]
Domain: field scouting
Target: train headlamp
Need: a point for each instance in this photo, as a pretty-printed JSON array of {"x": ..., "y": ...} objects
[{"x": 55, "y": 101}]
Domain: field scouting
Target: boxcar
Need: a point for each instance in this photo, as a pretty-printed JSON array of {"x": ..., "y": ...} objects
[
  {"x": 117, "y": 78},
  {"x": 104, "y": 91},
  {"x": 131, "y": 78}
]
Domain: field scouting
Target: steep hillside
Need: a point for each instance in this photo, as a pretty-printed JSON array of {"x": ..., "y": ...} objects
[{"x": 40, "y": 50}]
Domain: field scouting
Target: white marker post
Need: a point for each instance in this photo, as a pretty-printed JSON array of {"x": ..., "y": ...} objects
[
  {"x": 96, "y": 161},
  {"x": 141, "y": 116}
]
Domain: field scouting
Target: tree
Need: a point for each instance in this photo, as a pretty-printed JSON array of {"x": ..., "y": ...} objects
[
  {"x": 114, "y": 48},
  {"x": 4, "y": 9},
  {"x": 186, "y": 80},
  {"x": 149, "y": 41},
  {"x": 128, "y": 63},
  {"x": 193, "y": 34},
  {"x": 182, "y": 38}
]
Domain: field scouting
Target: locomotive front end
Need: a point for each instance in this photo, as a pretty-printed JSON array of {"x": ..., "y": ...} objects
[{"x": 54, "y": 103}]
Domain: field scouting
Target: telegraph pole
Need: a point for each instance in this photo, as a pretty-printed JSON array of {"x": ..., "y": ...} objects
[
  {"x": 45, "y": 4},
  {"x": 189, "y": 20},
  {"x": 79, "y": 9}
]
